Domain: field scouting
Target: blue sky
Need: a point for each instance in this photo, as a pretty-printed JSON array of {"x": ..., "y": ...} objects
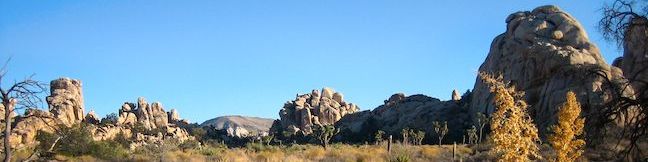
[{"x": 214, "y": 58}]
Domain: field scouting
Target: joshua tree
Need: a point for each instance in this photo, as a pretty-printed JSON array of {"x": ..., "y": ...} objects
[
  {"x": 405, "y": 133},
  {"x": 570, "y": 125},
  {"x": 472, "y": 135},
  {"x": 267, "y": 139},
  {"x": 440, "y": 129},
  {"x": 325, "y": 133},
  {"x": 418, "y": 136},
  {"x": 513, "y": 132},
  {"x": 482, "y": 120},
  {"x": 19, "y": 95},
  {"x": 378, "y": 138}
]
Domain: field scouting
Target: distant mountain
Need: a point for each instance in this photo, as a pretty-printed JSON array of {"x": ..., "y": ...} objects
[{"x": 240, "y": 125}]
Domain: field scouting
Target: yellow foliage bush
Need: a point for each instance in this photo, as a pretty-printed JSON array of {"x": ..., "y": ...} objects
[
  {"x": 569, "y": 126},
  {"x": 513, "y": 133}
]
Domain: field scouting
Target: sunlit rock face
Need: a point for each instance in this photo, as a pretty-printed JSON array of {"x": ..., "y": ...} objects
[
  {"x": 323, "y": 107},
  {"x": 545, "y": 53},
  {"x": 66, "y": 109},
  {"x": 151, "y": 116},
  {"x": 66, "y": 100}
]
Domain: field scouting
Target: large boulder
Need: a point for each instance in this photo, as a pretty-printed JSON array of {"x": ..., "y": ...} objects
[
  {"x": 316, "y": 108},
  {"x": 545, "y": 53},
  {"x": 27, "y": 126},
  {"x": 253, "y": 126},
  {"x": 66, "y": 100}
]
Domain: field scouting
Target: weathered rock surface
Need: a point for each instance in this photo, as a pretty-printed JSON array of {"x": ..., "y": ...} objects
[
  {"x": 66, "y": 109},
  {"x": 316, "y": 108},
  {"x": 27, "y": 126},
  {"x": 149, "y": 115},
  {"x": 241, "y": 126},
  {"x": 413, "y": 112},
  {"x": 66, "y": 100},
  {"x": 545, "y": 53},
  {"x": 634, "y": 62}
]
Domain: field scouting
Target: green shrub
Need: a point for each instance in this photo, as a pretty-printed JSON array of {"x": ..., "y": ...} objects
[
  {"x": 189, "y": 144},
  {"x": 77, "y": 141}
]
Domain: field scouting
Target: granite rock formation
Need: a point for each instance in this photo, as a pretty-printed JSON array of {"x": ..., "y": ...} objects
[
  {"x": 634, "y": 62},
  {"x": 66, "y": 100},
  {"x": 240, "y": 126},
  {"x": 414, "y": 112},
  {"x": 323, "y": 107},
  {"x": 151, "y": 116},
  {"x": 66, "y": 109},
  {"x": 545, "y": 53}
]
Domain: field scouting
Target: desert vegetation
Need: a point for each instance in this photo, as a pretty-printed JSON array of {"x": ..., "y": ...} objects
[{"x": 567, "y": 108}]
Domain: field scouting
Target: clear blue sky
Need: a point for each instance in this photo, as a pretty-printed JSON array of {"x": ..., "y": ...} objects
[{"x": 213, "y": 58}]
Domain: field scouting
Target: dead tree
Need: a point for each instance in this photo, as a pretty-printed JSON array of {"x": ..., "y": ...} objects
[
  {"x": 620, "y": 17},
  {"x": 19, "y": 95}
]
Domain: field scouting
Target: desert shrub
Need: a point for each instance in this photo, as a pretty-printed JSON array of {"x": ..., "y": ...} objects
[
  {"x": 121, "y": 139},
  {"x": 109, "y": 150},
  {"x": 401, "y": 157},
  {"x": 189, "y": 144},
  {"x": 570, "y": 125},
  {"x": 513, "y": 133},
  {"x": 77, "y": 141},
  {"x": 156, "y": 150},
  {"x": 198, "y": 132},
  {"x": 378, "y": 137},
  {"x": 109, "y": 119}
]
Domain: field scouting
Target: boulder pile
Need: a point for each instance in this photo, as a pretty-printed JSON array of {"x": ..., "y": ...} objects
[
  {"x": 323, "y": 107},
  {"x": 66, "y": 109}
]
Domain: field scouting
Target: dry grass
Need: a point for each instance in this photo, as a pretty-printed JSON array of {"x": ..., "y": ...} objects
[{"x": 296, "y": 153}]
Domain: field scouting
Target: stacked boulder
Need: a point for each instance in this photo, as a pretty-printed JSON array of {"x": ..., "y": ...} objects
[
  {"x": 323, "y": 107},
  {"x": 151, "y": 116},
  {"x": 66, "y": 100},
  {"x": 66, "y": 109}
]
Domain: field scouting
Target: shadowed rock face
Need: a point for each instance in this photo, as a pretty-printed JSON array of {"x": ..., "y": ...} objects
[
  {"x": 66, "y": 100},
  {"x": 317, "y": 108},
  {"x": 545, "y": 53},
  {"x": 414, "y": 112},
  {"x": 634, "y": 62}
]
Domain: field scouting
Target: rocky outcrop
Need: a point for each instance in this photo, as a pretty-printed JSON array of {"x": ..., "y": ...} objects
[
  {"x": 92, "y": 118},
  {"x": 66, "y": 100},
  {"x": 28, "y": 125},
  {"x": 634, "y": 62},
  {"x": 414, "y": 112},
  {"x": 151, "y": 116},
  {"x": 66, "y": 109},
  {"x": 455, "y": 95},
  {"x": 240, "y": 126},
  {"x": 316, "y": 108},
  {"x": 545, "y": 53}
]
